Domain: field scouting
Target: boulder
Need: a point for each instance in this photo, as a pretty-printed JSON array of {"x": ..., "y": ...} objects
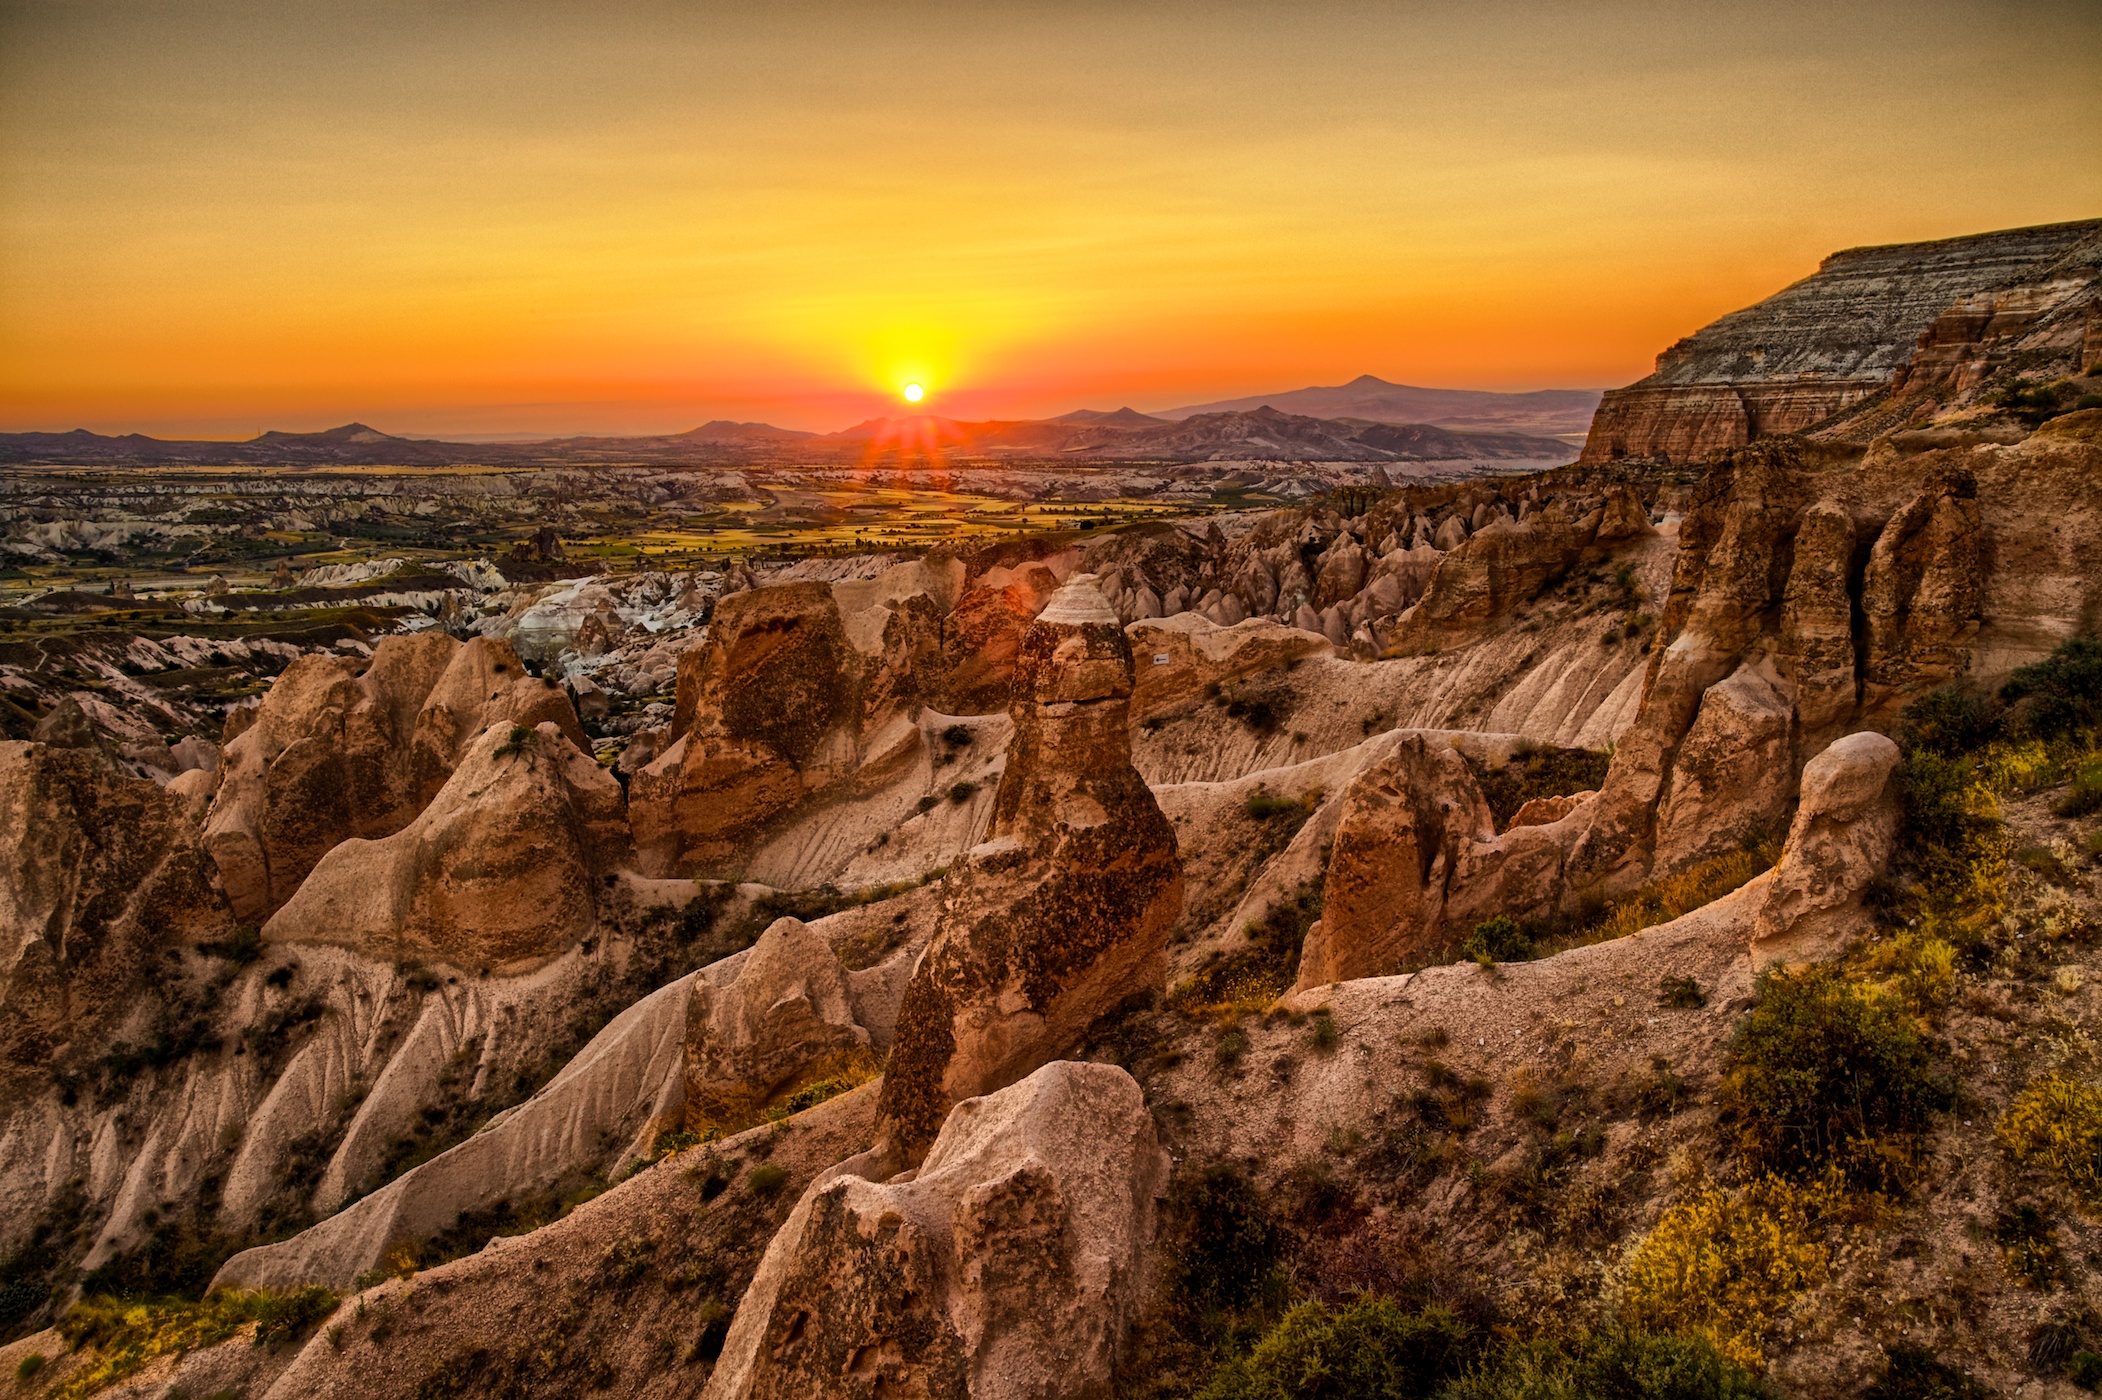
[
  {"x": 786, "y": 1020},
  {"x": 1009, "y": 1267},
  {"x": 503, "y": 869},
  {"x": 1843, "y": 836},
  {"x": 1064, "y": 911},
  {"x": 1545, "y": 811},
  {"x": 1404, "y": 823}
]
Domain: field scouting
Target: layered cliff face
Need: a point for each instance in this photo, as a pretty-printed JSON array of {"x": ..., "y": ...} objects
[{"x": 1918, "y": 315}]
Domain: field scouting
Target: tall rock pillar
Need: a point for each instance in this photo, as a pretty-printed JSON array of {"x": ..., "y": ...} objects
[{"x": 1064, "y": 911}]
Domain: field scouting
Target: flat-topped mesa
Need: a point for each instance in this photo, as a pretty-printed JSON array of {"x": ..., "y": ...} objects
[
  {"x": 1065, "y": 911},
  {"x": 1868, "y": 320}
]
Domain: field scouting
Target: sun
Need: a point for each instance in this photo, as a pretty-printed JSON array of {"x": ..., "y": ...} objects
[{"x": 914, "y": 393}]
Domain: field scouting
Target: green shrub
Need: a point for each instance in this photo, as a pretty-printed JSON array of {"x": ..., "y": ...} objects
[
  {"x": 961, "y": 792},
  {"x": 1500, "y": 939},
  {"x": 1910, "y": 1373},
  {"x": 1229, "y": 1253},
  {"x": 124, "y": 1336},
  {"x": 26, "y": 1369},
  {"x": 1367, "y": 1350},
  {"x": 2085, "y": 794},
  {"x": 1950, "y": 722},
  {"x": 1250, "y": 978},
  {"x": 1828, "y": 1071},
  {"x": 2085, "y": 1369},
  {"x": 1613, "y": 1364},
  {"x": 2062, "y": 693},
  {"x": 2028, "y": 1247},
  {"x": 929, "y": 802},
  {"x": 1680, "y": 994},
  {"x": 519, "y": 739},
  {"x": 957, "y": 735},
  {"x": 1262, "y": 806},
  {"x": 766, "y": 1179}
]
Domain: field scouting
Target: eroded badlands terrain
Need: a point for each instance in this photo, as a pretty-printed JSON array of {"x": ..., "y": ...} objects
[{"x": 1632, "y": 920}]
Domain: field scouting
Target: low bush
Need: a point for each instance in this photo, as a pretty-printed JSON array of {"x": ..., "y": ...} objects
[
  {"x": 1496, "y": 940},
  {"x": 1612, "y": 1364},
  {"x": 2085, "y": 794},
  {"x": 2028, "y": 1248},
  {"x": 1370, "y": 1349},
  {"x": 1727, "y": 1265},
  {"x": 1828, "y": 1071},
  {"x": 1661, "y": 901},
  {"x": 2061, "y": 695},
  {"x": 2056, "y": 1124},
  {"x": 125, "y": 1336},
  {"x": 1910, "y": 1373},
  {"x": 1680, "y": 994},
  {"x": 1227, "y": 1253},
  {"x": 1252, "y": 977}
]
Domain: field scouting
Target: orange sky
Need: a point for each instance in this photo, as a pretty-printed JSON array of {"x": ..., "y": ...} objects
[{"x": 477, "y": 218}]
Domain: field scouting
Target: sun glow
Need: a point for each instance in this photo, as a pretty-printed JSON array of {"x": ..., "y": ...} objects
[{"x": 914, "y": 393}]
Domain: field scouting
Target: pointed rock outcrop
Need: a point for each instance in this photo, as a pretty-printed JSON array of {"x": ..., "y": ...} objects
[
  {"x": 785, "y": 1021},
  {"x": 344, "y": 748},
  {"x": 1404, "y": 823},
  {"x": 502, "y": 870},
  {"x": 101, "y": 872},
  {"x": 1065, "y": 910},
  {"x": 1009, "y": 1267}
]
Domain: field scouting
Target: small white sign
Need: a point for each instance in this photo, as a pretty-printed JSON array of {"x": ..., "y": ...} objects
[{"x": 1160, "y": 658}]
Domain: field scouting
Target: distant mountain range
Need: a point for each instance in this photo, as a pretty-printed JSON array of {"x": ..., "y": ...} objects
[
  {"x": 1547, "y": 412},
  {"x": 1187, "y": 435}
]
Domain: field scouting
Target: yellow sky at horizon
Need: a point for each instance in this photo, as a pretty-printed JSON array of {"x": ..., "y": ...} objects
[{"x": 471, "y": 218}]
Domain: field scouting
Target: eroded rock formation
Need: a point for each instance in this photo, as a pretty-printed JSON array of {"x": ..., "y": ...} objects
[
  {"x": 808, "y": 691},
  {"x": 785, "y": 1020},
  {"x": 1404, "y": 823},
  {"x": 1064, "y": 911},
  {"x": 342, "y": 748},
  {"x": 102, "y": 872},
  {"x": 1009, "y": 1267},
  {"x": 1842, "y": 840},
  {"x": 506, "y": 866}
]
